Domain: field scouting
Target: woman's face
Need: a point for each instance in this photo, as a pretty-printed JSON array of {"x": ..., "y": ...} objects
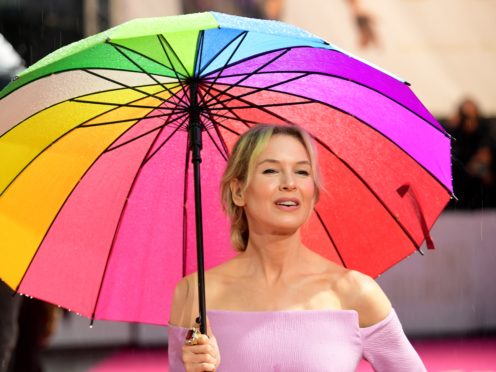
[{"x": 281, "y": 192}]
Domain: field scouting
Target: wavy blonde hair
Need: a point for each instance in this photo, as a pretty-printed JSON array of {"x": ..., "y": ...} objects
[{"x": 240, "y": 166}]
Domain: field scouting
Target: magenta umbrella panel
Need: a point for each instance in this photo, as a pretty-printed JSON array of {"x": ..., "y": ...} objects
[{"x": 97, "y": 200}]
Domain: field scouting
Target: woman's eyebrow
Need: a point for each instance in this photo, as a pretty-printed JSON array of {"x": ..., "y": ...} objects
[{"x": 274, "y": 161}]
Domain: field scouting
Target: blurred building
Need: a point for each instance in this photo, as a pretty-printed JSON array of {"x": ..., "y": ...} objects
[{"x": 36, "y": 28}]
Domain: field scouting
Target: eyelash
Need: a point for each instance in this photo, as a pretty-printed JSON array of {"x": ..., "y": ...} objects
[{"x": 300, "y": 172}]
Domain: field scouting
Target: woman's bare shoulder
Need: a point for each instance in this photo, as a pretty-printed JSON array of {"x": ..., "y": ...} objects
[
  {"x": 360, "y": 292},
  {"x": 184, "y": 307}
]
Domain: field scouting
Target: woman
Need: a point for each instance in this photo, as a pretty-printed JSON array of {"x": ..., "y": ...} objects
[{"x": 279, "y": 306}]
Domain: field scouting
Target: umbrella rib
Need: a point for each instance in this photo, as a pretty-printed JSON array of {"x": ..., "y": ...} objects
[
  {"x": 260, "y": 89},
  {"x": 162, "y": 40},
  {"x": 330, "y": 237},
  {"x": 131, "y": 119},
  {"x": 118, "y": 48},
  {"x": 219, "y": 134},
  {"x": 145, "y": 133},
  {"x": 247, "y": 76},
  {"x": 199, "y": 54},
  {"x": 215, "y": 72},
  {"x": 236, "y": 116},
  {"x": 121, "y": 215},
  {"x": 185, "y": 210},
  {"x": 228, "y": 129},
  {"x": 240, "y": 35},
  {"x": 166, "y": 140},
  {"x": 242, "y": 38},
  {"x": 66, "y": 199},
  {"x": 262, "y": 108},
  {"x": 118, "y": 105},
  {"x": 371, "y": 190},
  {"x": 223, "y": 154},
  {"x": 154, "y": 95},
  {"x": 246, "y": 122}
]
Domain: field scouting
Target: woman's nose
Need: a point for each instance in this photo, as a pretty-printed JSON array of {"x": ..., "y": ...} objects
[{"x": 288, "y": 183}]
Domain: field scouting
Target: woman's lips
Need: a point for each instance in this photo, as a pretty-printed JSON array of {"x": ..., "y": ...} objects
[{"x": 287, "y": 204}]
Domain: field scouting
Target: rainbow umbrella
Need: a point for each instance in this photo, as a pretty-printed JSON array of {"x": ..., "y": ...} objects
[{"x": 97, "y": 190}]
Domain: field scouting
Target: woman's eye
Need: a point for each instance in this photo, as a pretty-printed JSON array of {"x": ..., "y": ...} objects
[
  {"x": 269, "y": 171},
  {"x": 303, "y": 172}
]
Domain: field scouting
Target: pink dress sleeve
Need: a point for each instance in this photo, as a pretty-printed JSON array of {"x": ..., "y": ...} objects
[
  {"x": 387, "y": 349},
  {"x": 176, "y": 337}
]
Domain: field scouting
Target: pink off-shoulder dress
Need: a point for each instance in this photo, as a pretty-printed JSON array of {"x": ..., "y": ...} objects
[{"x": 302, "y": 341}]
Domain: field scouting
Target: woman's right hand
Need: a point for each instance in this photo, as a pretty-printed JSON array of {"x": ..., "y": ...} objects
[{"x": 204, "y": 356}]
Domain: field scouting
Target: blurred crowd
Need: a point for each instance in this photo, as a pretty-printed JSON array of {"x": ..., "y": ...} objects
[{"x": 473, "y": 155}]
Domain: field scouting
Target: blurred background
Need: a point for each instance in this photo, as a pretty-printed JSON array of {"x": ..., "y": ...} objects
[{"x": 445, "y": 48}]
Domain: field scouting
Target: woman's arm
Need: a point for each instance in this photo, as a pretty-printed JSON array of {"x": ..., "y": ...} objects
[
  {"x": 385, "y": 345},
  {"x": 204, "y": 355}
]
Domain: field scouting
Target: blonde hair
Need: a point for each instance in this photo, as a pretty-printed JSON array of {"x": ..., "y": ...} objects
[{"x": 240, "y": 166}]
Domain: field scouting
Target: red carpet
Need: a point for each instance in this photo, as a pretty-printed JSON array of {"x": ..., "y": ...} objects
[{"x": 452, "y": 355}]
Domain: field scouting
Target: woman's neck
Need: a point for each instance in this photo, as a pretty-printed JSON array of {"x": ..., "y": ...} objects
[{"x": 273, "y": 257}]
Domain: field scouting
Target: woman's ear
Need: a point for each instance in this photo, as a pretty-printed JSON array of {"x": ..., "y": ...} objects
[{"x": 237, "y": 192}]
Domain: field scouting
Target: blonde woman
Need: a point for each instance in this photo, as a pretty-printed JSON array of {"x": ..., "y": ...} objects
[{"x": 279, "y": 306}]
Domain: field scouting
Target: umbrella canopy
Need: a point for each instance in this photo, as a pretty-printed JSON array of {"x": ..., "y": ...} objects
[{"x": 96, "y": 187}]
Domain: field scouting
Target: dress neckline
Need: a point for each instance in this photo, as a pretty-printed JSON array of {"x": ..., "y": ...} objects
[{"x": 296, "y": 311}]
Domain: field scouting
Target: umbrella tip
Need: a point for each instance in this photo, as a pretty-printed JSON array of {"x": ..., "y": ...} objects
[{"x": 407, "y": 84}]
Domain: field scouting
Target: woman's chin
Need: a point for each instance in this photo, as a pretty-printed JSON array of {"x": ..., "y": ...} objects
[{"x": 286, "y": 229}]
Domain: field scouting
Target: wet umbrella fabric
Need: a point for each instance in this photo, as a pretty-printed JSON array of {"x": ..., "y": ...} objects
[{"x": 96, "y": 183}]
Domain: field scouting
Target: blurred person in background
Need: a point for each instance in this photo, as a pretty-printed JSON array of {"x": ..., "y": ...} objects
[
  {"x": 25, "y": 324},
  {"x": 9, "y": 309},
  {"x": 37, "y": 322},
  {"x": 36, "y": 28},
  {"x": 264, "y": 9},
  {"x": 365, "y": 24},
  {"x": 10, "y": 64},
  {"x": 474, "y": 161}
]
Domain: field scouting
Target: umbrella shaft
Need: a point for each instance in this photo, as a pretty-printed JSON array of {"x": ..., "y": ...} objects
[{"x": 195, "y": 146}]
